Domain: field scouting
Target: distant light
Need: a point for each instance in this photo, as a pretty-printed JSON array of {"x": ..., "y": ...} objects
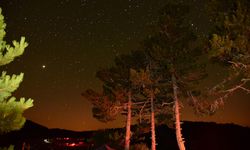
[
  {"x": 66, "y": 138},
  {"x": 46, "y": 141},
  {"x": 72, "y": 144},
  {"x": 43, "y": 66}
]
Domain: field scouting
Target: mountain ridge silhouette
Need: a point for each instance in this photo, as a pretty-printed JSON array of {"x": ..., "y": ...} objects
[{"x": 198, "y": 135}]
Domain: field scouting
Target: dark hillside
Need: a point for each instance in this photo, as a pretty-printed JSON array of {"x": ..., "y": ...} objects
[
  {"x": 198, "y": 136},
  {"x": 205, "y": 136}
]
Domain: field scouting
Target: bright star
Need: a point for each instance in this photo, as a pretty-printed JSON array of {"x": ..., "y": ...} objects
[{"x": 43, "y": 66}]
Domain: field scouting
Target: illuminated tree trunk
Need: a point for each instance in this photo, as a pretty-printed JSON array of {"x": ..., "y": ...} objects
[
  {"x": 179, "y": 138},
  {"x": 128, "y": 132},
  {"x": 23, "y": 146},
  {"x": 153, "y": 141}
]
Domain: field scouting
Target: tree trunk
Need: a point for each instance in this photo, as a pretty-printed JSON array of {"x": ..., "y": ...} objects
[
  {"x": 23, "y": 146},
  {"x": 128, "y": 132},
  {"x": 179, "y": 138},
  {"x": 153, "y": 141}
]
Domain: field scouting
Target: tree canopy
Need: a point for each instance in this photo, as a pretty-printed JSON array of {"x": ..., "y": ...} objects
[{"x": 229, "y": 45}]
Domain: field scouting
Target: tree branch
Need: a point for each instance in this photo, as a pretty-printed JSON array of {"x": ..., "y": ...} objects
[
  {"x": 165, "y": 103},
  {"x": 140, "y": 113}
]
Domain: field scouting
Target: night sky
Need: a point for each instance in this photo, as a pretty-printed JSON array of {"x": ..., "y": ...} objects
[{"x": 69, "y": 40}]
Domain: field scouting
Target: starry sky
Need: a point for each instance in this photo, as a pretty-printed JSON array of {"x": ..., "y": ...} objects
[{"x": 69, "y": 40}]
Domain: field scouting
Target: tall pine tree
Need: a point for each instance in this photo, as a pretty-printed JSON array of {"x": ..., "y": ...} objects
[
  {"x": 175, "y": 50},
  {"x": 118, "y": 96},
  {"x": 11, "y": 110},
  {"x": 148, "y": 85}
]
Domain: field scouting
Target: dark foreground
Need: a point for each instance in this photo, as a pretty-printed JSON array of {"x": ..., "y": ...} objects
[{"x": 198, "y": 136}]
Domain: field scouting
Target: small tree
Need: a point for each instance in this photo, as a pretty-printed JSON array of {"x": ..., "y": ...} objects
[{"x": 11, "y": 110}]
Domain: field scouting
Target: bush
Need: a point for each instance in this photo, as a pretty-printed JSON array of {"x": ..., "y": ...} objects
[{"x": 9, "y": 148}]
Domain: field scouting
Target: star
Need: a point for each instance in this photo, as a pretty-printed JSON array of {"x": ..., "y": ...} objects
[{"x": 43, "y": 66}]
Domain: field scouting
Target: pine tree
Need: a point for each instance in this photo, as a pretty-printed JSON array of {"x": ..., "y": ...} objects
[
  {"x": 175, "y": 50},
  {"x": 230, "y": 46},
  {"x": 124, "y": 95},
  {"x": 145, "y": 81},
  {"x": 108, "y": 105},
  {"x": 11, "y": 110},
  {"x": 118, "y": 92}
]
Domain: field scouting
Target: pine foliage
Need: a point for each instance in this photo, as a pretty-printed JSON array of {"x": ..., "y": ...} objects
[
  {"x": 230, "y": 46},
  {"x": 11, "y": 110}
]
